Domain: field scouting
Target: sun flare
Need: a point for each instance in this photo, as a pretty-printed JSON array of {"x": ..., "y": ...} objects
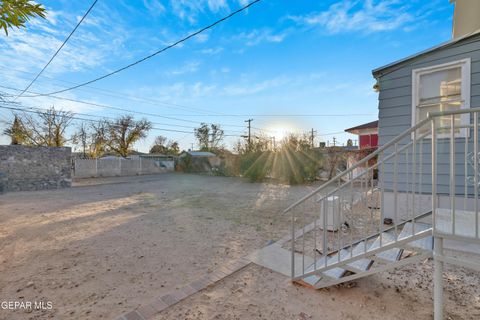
[{"x": 280, "y": 130}]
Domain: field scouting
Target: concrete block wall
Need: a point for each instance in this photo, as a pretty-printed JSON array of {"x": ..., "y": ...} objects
[
  {"x": 90, "y": 168},
  {"x": 35, "y": 168}
]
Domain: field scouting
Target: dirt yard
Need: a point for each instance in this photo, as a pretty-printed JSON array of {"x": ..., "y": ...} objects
[{"x": 107, "y": 246}]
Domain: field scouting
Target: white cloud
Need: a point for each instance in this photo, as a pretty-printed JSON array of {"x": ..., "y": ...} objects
[
  {"x": 254, "y": 88},
  {"x": 217, "y": 5},
  {"x": 97, "y": 40},
  {"x": 258, "y": 36},
  {"x": 190, "y": 9},
  {"x": 359, "y": 16},
  {"x": 201, "y": 89},
  {"x": 187, "y": 9},
  {"x": 178, "y": 91},
  {"x": 154, "y": 6},
  {"x": 202, "y": 37},
  {"x": 189, "y": 67},
  {"x": 212, "y": 51}
]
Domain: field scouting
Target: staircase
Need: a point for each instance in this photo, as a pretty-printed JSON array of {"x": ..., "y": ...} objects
[
  {"x": 341, "y": 227},
  {"x": 368, "y": 257}
]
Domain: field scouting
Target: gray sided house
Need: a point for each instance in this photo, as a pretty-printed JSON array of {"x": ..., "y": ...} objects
[{"x": 444, "y": 78}]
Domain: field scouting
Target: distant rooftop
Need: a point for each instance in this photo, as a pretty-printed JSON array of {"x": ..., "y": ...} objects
[
  {"x": 370, "y": 125},
  {"x": 201, "y": 154}
]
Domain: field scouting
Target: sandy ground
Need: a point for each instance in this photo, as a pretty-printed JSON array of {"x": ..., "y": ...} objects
[
  {"x": 107, "y": 246},
  {"x": 258, "y": 293}
]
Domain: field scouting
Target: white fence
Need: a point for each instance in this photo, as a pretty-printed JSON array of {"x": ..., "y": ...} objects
[{"x": 87, "y": 168}]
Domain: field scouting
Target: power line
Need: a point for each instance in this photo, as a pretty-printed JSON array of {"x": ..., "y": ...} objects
[
  {"x": 90, "y": 120},
  {"x": 40, "y": 110},
  {"x": 331, "y": 134},
  {"x": 155, "y": 102},
  {"x": 285, "y": 115},
  {"x": 114, "y": 94},
  {"x": 58, "y": 50},
  {"x": 82, "y": 119},
  {"x": 157, "y": 52},
  {"x": 122, "y": 109}
]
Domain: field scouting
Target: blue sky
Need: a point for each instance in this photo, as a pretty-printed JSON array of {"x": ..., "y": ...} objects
[{"x": 292, "y": 60}]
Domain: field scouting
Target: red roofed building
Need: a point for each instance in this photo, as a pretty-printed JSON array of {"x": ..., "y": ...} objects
[
  {"x": 367, "y": 134},
  {"x": 368, "y": 142}
]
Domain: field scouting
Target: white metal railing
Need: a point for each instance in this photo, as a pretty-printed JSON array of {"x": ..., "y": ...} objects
[{"x": 429, "y": 168}]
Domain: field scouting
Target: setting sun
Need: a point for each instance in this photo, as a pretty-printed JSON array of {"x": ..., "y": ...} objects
[{"x": 280, "y": 130}]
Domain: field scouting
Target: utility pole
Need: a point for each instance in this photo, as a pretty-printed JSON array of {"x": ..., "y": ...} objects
[
  {"x": 274, "y": 144},
  {"x": 334, "y": 141},
  {"x": 312, "y": 138},
  {"x": 249, "y": 137}
]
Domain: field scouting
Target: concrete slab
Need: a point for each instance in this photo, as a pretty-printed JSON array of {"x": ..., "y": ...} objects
[
  {"x": 462, "y": 246},
  {"x": 464, "y": 222},
  {"x": 464, "y": 226},
  {"x": 275, "y": 258}
]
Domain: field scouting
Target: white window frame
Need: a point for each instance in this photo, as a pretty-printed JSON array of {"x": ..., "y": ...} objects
[{"x": 465, "y": 65}]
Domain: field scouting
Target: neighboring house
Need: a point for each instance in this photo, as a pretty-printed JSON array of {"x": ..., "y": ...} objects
[
  {"x": 368, "y": 142},
  {"x": 367, "y": 134},
  {"x": 198, "y": 154}
]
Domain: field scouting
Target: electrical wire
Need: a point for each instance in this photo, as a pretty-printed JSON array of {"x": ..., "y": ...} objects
[
  {"x": 42, "y": 110},
  {"x": 104, "y": 106},
  {"x": 288, "y": 115},
  {"x": 331, "y": 133},
  {"x": 245, "y": 7},
  {"x": 179, "y": 106},
  {"x": 112, "y": 93},
  {"x": 88, "y": 120},
  {"x": 58, "y": 50}
]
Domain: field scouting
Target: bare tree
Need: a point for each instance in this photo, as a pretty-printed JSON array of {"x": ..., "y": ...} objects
[
  {"x": 43, "y": 128},
  {"x": 81, "y": 138},
  {"x": 16, "y": 132},
  {"x": 123, "y": 132},
  {"x": 209, "y": 137},
  {"x": 161, "y": 145},
  {"x": 294, "y": 142},
  {"x": 98, "y": 138},
  {"x": 173, "y": 148},
  {"x": 334, "y": 157},
  {"x": 257, "y": 144}
]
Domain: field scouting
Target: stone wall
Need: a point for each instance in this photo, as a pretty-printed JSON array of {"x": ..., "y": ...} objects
[{"x": 35, "y": 168}]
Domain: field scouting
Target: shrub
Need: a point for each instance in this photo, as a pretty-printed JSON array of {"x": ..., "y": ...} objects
[{"x": 256, "y": 165}]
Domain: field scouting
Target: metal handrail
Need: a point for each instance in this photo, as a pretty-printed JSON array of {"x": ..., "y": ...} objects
[
  {"x": 430, "y": 116},
  {"x": 356, "y": 228}
]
